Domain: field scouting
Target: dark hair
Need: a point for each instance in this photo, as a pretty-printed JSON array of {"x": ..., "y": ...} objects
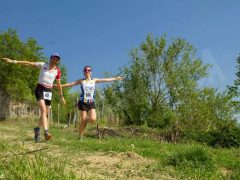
[{"x": 87, "y": 67}]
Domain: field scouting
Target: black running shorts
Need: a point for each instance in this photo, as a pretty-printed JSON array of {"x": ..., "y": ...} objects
[
  {"x": 85, "y": 106},
  {"x": 39, "y": 93}
]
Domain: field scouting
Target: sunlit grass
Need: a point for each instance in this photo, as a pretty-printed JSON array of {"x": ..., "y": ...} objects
[{"x": 180, "y": 161}]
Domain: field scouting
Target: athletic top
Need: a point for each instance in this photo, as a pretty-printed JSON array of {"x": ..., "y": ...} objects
[
  {"x": 46, "y": 76},
  {"x": 88, "y": 89}
]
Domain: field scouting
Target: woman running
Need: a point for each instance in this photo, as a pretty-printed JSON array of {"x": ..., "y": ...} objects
[
  {"x": 43, "y": 92},
  {"x": 86, "y": 103}
]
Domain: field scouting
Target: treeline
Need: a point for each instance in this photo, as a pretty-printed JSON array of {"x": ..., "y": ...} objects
[{"x": 160, "y": 90}]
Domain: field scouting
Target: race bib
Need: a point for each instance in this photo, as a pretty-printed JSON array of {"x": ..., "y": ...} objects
[
  {"x": 88, "y": 96},
  {"x": 47, "y": 95}
]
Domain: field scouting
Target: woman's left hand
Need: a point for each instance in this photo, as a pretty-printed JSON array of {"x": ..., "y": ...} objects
[
  {"x": 63, "y": 100},
  {"x": 119, "y": 78}
]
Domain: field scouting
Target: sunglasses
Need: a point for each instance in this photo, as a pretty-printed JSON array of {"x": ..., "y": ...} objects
[{"x": 87, "y": 70}]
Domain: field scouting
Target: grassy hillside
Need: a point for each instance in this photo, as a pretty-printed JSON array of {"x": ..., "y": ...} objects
[{"x": 120, "y": 157}]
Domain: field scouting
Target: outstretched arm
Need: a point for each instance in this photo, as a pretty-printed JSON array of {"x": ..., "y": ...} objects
[
  {"x": 107, "y": 79},
  {"x": 27, "y": 63},
  {"x": 72, "y": 83},
  {"x": 60, "y": 90}
]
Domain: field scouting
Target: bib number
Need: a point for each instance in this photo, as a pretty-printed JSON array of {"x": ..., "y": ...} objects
[
  {"x": 88, "y": 95},
  {"x": 47, "y": 95}
]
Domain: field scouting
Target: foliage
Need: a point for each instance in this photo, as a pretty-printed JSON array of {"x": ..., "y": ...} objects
[
  {"x": 161, "y": 82},
  {"x": 19, "y": 82},
  {"x": 160, "y": 89},
  {"x": 196, "y": 157},
  {"x": 234, "y": 89},
  {"x": 226, "y": 135}
]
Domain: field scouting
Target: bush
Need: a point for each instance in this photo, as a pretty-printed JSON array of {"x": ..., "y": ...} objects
[
  {"x": 202, "y": 137},
  {"x": 225, "y": 137},
  {"x": 195, "y": 157}
]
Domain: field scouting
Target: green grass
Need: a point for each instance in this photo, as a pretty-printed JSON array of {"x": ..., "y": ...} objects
[
  {"x": 39, "y": 166},
  {"x": 68, "y": 158}
]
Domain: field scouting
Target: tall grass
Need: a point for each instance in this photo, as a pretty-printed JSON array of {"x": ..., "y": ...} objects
[
  {"x": 14, "y": 164},
  {"x": 38, "y": 166}
]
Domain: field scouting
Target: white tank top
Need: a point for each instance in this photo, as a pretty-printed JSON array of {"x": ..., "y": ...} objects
[
  {"x": 88, "y": 90},
  {"x": 46, "y": 76}
]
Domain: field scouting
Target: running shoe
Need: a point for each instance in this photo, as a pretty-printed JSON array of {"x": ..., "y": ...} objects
[{"x": 48, "y": 136}]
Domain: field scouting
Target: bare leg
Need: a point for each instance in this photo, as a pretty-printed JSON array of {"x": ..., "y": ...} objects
[
  {"x": 48, "y": 114},
  {"x": 42, "y": 122},
  {"x": 43, "y": 118},
  {"x": 92, "y": 119},
  {"x": 92, "y": 116},
  {"x": 83, "y": 116}
]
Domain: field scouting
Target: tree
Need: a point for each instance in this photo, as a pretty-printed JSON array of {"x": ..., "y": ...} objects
[
  {"x": 234, "y": 89},
  {"x": 160, "y": 89},
  {"x": 159, "y": 81},
  {"x": 18, "y": 81}
]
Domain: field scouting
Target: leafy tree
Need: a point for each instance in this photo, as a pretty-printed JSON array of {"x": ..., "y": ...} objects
[
  {"x": 18, "y": 81},
  {"x": 234, "y": 89},
  {"x": 159, "y": 81},
  {"x": 160, "y": 89}
]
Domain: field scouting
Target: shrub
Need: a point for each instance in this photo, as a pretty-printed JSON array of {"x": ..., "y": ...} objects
[
  {"x": 195, "y": 157},
  {"x": 225, "y": 137}
]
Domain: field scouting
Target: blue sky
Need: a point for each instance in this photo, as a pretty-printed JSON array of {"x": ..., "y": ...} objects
[{"x": 100, "y": 33}]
